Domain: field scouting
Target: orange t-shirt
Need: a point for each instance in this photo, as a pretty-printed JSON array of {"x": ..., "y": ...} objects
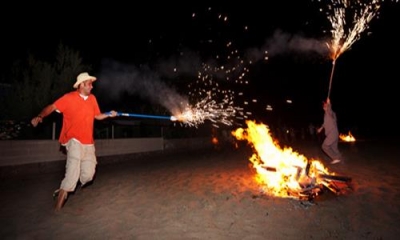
[{"x": 78, "y": 117}]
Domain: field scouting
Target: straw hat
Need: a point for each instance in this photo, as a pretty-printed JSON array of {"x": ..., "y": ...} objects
[{"x": 83, "y": 77}]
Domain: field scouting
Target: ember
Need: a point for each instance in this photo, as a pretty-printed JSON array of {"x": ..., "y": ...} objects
[{"x": 285, "y": 173}]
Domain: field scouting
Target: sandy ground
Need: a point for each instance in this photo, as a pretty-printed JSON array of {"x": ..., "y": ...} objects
[{"x": 209, "y": 194}]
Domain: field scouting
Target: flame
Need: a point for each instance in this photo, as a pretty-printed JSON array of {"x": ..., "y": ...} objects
[
  {"x": 281, "y": 172},
  {"x": 347, "y": 138}
]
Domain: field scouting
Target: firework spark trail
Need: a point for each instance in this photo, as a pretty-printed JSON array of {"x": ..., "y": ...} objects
[
  {"x": 363, "y": 14},
  {"x": 208, "y": 109},
  {"x": 210, "y": 96},
  {"x": 212, "y": 92},
  {"x": 217, "y": 92},
  {"x": 218, "y": 105},
  {"x": 343, "y": 35}
]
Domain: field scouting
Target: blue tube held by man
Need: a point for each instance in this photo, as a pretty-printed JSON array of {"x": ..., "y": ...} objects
[{"x": 172, "y": 118}]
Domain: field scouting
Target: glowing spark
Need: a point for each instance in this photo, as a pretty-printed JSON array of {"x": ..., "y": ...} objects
[
  {"x": 363, "y": 13},
  {"x": 208, "y": 109},
  {"x": 342, "y": 40},
  {"x": 211, "y": 94}
]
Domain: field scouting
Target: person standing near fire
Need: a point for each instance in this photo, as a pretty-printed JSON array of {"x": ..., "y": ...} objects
[
  {"x": 331, "y": 141},
  {"x": 79, "y": 109}
]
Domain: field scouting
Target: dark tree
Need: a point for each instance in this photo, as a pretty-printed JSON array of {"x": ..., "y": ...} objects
[{"x": 35, "y": 83}]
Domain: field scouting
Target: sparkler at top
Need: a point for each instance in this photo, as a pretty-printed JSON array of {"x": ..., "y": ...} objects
[{"x": 343, "y": 34}]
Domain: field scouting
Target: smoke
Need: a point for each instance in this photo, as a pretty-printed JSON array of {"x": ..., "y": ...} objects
[
  {"x": 186, "y": 63},
  {"x": 118, "y": 78},
  {"x": 283, "y": 43}
]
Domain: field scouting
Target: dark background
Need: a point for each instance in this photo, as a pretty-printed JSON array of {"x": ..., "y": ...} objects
[{"x": 363, "y": 92}]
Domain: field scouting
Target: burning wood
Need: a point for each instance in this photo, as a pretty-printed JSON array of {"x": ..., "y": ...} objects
[
  {"x": 284, "y": 172},
  {"x": 311, "y": 187}
]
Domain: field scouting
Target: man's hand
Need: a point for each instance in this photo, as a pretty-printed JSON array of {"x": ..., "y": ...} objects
[
  {"x": 328, "y": 101},
  {"x": 45, "y": 112},
  {"x": 112, "y": 113},
  {"x": 36, "y": 120}
]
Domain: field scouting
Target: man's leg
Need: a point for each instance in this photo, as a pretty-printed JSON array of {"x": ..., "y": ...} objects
[
  {"x": 72, "y": 169},
  {"x": 88, "y": 164},
  {"x": 62, "y": 197},
  {"x": 328, "y": 147},
  {"x": 335, "y": 150}
]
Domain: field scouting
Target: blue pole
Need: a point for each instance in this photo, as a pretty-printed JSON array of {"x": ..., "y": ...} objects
[{"x": 143, "y": 116}]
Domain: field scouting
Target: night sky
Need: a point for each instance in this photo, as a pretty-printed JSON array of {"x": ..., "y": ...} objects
[{"x": 154, "y": 37}]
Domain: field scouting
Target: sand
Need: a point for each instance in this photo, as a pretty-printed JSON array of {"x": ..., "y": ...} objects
[{"x": 208, "y": 194}]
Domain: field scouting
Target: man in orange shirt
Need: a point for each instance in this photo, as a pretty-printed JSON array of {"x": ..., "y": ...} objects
[{"x": 79, "y": 109}]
